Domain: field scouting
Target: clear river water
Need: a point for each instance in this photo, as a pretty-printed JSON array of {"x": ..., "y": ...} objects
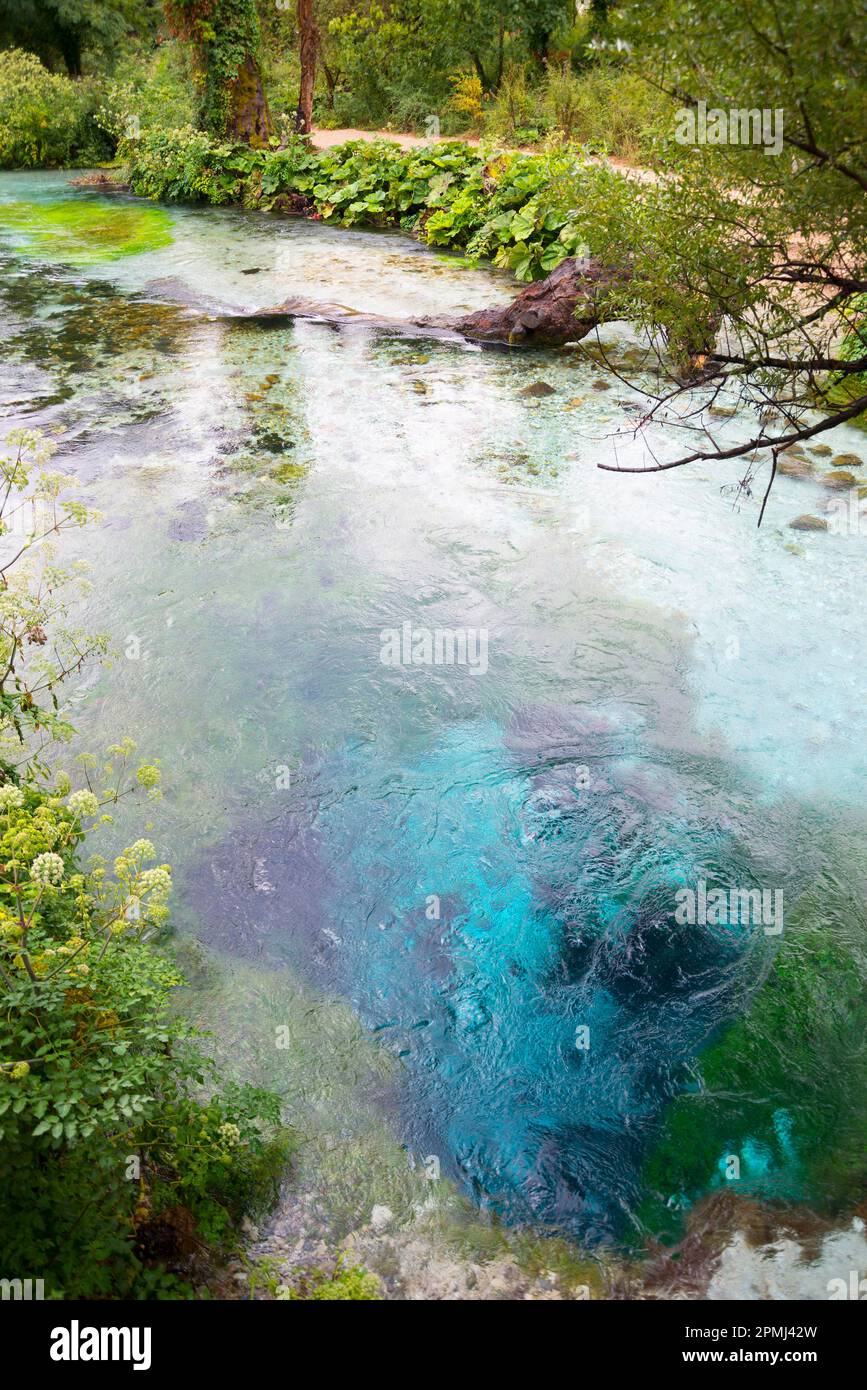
[{"x": 456, "y": 882}]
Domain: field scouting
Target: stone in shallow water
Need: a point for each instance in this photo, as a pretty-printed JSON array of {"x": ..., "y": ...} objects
[
  {"x": 794, "y": 466},
  {"x": 539, "y": 389},
  {"x": 846, "y": 461},
  {"x": 822, "y": 451},
  {"x": 840, "y": 479},
  {"x": 808, "y": 523},
  {"x": 381, "y": 1218}
]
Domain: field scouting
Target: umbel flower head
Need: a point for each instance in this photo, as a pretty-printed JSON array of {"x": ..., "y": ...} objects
[
  {"x": 83, "y": 803},
  {"x": 47, "y": 869},
  {"x": 10, "y": 796}
]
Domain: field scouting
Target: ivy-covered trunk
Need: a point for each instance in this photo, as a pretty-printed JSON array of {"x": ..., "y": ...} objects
[
  {"x": 226, "y": 40},
  {"x": 248, "y": 119}
]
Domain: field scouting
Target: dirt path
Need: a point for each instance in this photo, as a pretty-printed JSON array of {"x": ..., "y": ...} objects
[{"x": 326, "y": 139}]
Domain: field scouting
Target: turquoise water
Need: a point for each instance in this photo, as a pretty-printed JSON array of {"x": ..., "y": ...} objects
[{"x": 483, "y": 862}]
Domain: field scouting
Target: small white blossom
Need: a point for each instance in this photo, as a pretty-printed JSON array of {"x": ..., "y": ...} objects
[{"x": 10, "y": 796}]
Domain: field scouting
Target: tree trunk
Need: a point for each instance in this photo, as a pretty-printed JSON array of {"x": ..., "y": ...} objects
[
  {"x": 501, "y": 50},
  {"x": 480, "y": 72},
  {"x": 560, "y": 309},
  {"x": 331, "y": 82},
  {"x": 248, "y": 119},
  {"x": 69, "y": 43},
  {"x": 309, "y": 44},
  {"x": 563, "y": 308}
]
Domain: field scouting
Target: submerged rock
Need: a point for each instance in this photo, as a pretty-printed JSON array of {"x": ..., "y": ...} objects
[
  {"x": 735, "y": 1248},
  {"x": 794, "y": 466},
  {"x": 539, "y": 389},
  {"x": 840, "y": 479},
  {"x": 808, "y": 523}
]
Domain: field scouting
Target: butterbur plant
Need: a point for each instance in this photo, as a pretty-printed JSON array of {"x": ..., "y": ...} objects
[
  {"x": 123, "y": 1158},
  {"x": 524, "y": 212}
]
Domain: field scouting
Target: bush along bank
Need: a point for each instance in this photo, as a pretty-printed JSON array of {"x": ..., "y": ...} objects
[
  {"x": 128, "y": 1164},
  {"x": 518, "y": 210}
]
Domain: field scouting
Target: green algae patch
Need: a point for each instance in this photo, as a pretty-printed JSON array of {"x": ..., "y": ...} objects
[
  {"x": 289, "y": 472},
  {"x": 75, "y": 231},
  {"x": 780, "y": 1109}
]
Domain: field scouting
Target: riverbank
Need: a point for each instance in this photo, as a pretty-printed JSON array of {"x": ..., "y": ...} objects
[{"x": 522, "y": 212}]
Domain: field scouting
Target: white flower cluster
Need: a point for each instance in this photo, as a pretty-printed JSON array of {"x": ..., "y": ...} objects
[
  {"x": 156, "y": 882},
  {"x": 10, "y": 796},
  {"x": 47, "y": 869},
  {"x": 83, "y": 803}
]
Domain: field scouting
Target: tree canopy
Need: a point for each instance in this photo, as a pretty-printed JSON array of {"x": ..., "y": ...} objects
[{"x": 749, "y": 245}]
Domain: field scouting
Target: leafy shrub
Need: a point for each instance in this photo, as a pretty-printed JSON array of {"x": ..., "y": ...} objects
[
  {"x": 515, "y": 113},
  {"x": 189, "y": 166},
  {"x": 468, "y": 99},
  {"x": 46, "y": 118},
  {"x": 105, "y": 1150},
  {"x": 122, "y": 1158},
  {"x": 348, "y": 1283},
  {"x": 521, "y": 212},
  {"x": 607, "y": 109},
  {"x": 853, "y": 348},
  {"x": 148, "y": 93}
]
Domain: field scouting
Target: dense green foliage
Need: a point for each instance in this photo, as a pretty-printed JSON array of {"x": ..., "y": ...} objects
[
  {"x": 69, "y": 34},
  {"x": 509, "y": 71},
  {"x": 346, "y": 1284},
  {"x": 125, "y": 1164},
  {"x": 520, "y": 210},
  {"x": 519, "y": 73},
  {"x": 763, "y": 232},
  {"x": 46, "y": 118}
]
